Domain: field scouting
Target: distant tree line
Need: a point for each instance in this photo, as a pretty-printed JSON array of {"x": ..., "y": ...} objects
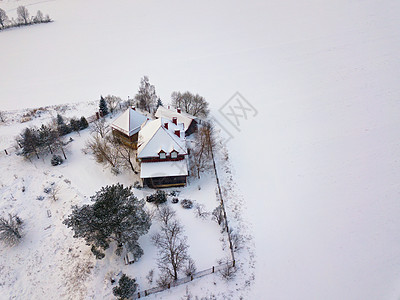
[{"x": 23, "y": 18}]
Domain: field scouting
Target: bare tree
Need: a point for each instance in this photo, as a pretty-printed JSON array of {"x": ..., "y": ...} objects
[
  {"x": 112, "y": 102},
  {"x": 146, "y": 97},
  {"x": 217, "y": 215},
  {"x": 104, "y": 151},
  {"x": 237, "y": 240},
  {"x": 228, "y": 271},
  {"x": 59, "y": 143},
  {"x": 150, "y": 276},
  {"x": 172, "y": 246},
  {"x": 165, "y": 214},
  {"x": 23, "y": 14},
  {"x": 54, "y": 193},
  {"x": 201, "y": 155},
  {"x": 39, "y": 17},
  {"x": 125, "y": 153},
  {"x": 201, "y": 211},
  {"x": 100, "y": 127},
  {"x": 190, "y": 268},
  {"x": 188, "y": 295},
  {"x": 194, "y": 105},
  {"x": 164, "y": 279},
  {"x": 3, "y": 19},
  {"x": 111, "y": 150},
  {"x": 10, "y": 229}
]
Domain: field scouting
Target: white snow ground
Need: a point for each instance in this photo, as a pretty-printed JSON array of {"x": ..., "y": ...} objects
[
  {"x": 318, "y": 166},
  {"x": 50, "y": 263}
]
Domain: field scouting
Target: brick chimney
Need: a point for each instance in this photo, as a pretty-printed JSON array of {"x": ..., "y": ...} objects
[
  {"x": 175, "y": 120},
  {"x": 178, "y": 133},
  {"x": 178, "y": 110},
  {"x": 166, "y": 125}
]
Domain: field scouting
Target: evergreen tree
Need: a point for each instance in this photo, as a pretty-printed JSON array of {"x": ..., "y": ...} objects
[
  {"x": 10, "y": 229},
  {"x": 103, "y": 106},
  {"x": 47, "y": 137},
  {"x": 75, "y": 125},
  {"x": 159, "y": 102},
  {"x": 83, "y": 123},
  {"x": 62, "y": 128},
  {"x": 116, "y": 215},
  {"x": 126, "y": 287},
  {"x": 56, "y": 160},
  {"x": 60, "y": 120},
  {"x": 29, "y": 141}
]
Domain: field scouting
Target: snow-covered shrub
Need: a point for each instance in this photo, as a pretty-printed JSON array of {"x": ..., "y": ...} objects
[
  {"x": 10, "y": 229},
  {"x": 83, "y": 123},
  {"x": 115, "y": 171},
  {"x": 186, "y": 203},
  {"x": 164, "y": 279},
  {"x": 237, "y": 241},
  {"x": 47, "y": 190},
  {"x": 158, "y": 197},
  {"x": 150, "y": 276},
  {"x": 137, "y": 185},
  {"x": 56, "y": 160},
  {"x": 174, "y": 193},
  {"x": 228, "y": 271},
  {"x": 54, "y": 192},
  {"x": 201, "y": 212},
  {"x": 126, "y": 287},
  {"x": 188, "y": 295},
  {"x": 218, "y": 215},
  {"x": 175, "y": 200},
  {"x": 190, "y": 268}
]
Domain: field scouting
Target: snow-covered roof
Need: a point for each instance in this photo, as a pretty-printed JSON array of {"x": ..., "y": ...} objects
[
  {"x": 182, "y": 117},
  {"x": 129, "y": 122},
  {"x": 164, "y": 169},
  {"x": 154, "y": 137}
]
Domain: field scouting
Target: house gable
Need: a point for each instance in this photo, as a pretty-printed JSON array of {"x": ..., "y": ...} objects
[{"x": 129, "y": 122}]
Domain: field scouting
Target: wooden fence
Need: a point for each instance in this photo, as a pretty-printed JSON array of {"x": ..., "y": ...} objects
[
  {"x": 183, "y": 280},
  {"x": 222, "y": 203},
  {"x": 204, "y": 272}
]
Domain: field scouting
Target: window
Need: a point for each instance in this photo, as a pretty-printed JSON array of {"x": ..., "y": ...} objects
[
  {"x": 174, "y": 154},
  {"x": 162, "y": 155}
]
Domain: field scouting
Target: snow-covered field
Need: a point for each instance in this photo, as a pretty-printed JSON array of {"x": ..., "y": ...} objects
[
  {"x": 318, "y": 165},
  {"x": 49, "y": 262}
]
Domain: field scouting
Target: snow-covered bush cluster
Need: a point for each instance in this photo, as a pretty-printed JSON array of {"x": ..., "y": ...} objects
[
  {"x": 158, "y": 197},
  {"x": 186, "y": 203}
]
